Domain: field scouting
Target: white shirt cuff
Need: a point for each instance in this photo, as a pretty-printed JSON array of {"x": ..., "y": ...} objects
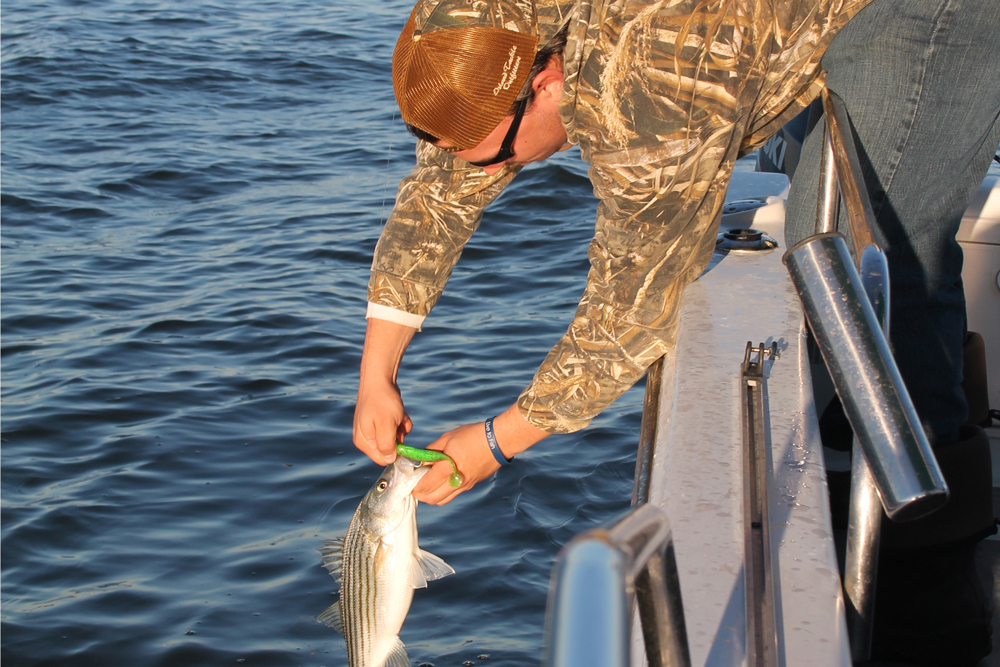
[{"x": 379, "y": 312}]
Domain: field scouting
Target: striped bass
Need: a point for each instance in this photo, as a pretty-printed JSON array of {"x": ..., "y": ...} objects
[{"x": 378, "y": 564}]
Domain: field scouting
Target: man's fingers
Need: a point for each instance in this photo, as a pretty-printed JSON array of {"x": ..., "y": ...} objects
[
  {"x": 364, "y": 438},
  {"x": 434, "y": 487},
  {"x": 435, "y": 477},
  {"x": 405, "y": 427},
  {"x": 386, "y": 442},
  {"x": 377, "y": 440},
  {"x": 439, "y": 496},
  {"x": 449, "y": 497}
]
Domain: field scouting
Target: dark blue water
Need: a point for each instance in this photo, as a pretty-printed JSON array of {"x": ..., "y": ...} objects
[{"x": 191, "y": 194}]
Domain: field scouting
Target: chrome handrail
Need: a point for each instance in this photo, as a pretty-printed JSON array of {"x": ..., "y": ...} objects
[
  {"x": 860, "y": 216},
  {"x": 599, "y": 577},
  {"x": 848, "y": 315},
  {"x": 854, "y": 349}
]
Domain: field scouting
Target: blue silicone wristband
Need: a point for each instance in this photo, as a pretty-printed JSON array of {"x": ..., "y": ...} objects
[{"x": 491, "y": 440}]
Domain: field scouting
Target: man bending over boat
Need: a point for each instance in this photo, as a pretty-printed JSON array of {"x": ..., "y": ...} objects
[{"x": 661, "y": 97}]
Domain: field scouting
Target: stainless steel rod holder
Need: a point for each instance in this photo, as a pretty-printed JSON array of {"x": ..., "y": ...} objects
[
  {"x": 597, "y": 576},
  {"x": 865, "y": 517},
  {"x": 865, "y": 375}
]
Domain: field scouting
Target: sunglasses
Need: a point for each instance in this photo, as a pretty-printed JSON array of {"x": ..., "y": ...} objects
[{"x": 507, "y": 147}]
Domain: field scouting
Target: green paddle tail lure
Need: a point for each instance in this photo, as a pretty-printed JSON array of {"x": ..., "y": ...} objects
[{"x": 429, "y": 455}]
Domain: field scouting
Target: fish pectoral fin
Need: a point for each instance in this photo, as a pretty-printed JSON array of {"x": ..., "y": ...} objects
[
  {"x": 417, "y": 577},
  {"x": 332, "y": 555},
  {"x": 397, "y": 656},
  {"x": 332, "y": 617},
  {"x": 432, "y": 567},
  {"x": 425, "y": 567}
]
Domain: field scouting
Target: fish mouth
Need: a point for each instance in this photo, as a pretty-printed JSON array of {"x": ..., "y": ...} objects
[
  {"x": 388, "y": 511},
  {"x": 407, "y": 472},
  {"x": 406, "y": 462},
  {"x": 405, "y": 476}
]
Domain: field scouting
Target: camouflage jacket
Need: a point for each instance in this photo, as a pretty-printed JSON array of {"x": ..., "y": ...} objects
[{"x": 662, "y": 98}]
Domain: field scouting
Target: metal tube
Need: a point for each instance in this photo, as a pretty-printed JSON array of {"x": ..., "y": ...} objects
[
  {"x": 596, "y": 574},
  {"x": 661, "y": 611},
  {"x": 828, "y": 202},
  {"x": 865, "y": 518},
  {"x": 647, "y": 433},
  {"x": 587, "y": 620},
  {"x": 860, "y": 216},
  {"x": 866, "y": 378},
  {"x": 861, "y": 563},
  {"x": 873, "y": 271}
]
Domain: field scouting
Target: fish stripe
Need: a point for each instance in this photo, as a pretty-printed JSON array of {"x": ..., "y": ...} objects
[
  {"x": 364, "y": 631},
  {"x": 354, "y": 604},
  {"x": 367, "y": 630},
  {"x": 346, "y": 596},
  {"x": 352, "y": 633},
  {"x": 359, "y": 648},
  {"x": 359, "y": 624},
  {"x": 361, "y": 633},
  {"x": 354, "y": 601},
  {"x": 370, "y": 604},
  {"x": 369, "y": 609}
]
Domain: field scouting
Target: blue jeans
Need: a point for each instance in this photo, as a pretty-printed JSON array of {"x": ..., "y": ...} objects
[{"x": 921, "y": 81}]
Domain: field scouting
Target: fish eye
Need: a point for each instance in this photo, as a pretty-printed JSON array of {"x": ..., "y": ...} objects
[{"x": 382, "y": 485}]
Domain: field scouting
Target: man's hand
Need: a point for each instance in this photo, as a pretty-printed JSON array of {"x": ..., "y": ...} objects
[
  {"x": 467, "y": 445},
  {"x": 380, "y": 420}
]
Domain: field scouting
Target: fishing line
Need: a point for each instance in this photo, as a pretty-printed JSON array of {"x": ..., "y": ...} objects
[{"x": 385, "y": 185}]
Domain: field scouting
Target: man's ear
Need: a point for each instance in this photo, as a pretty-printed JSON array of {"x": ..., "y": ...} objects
[{"x": 548, "y": 82}]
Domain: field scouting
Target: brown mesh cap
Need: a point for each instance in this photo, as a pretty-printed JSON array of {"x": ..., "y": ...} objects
[{"x": 458, "y": 65}]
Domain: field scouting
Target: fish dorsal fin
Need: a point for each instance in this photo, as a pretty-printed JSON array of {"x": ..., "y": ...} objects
[
  {"x": 397, "y": 656},
  {"x": 431, "y": 567},
  {"x": 332, "y": 617},
  {"x": 332, "y": 555}
]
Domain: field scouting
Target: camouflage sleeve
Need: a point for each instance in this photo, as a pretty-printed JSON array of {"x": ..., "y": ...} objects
[
  {"x": 438, "y": 207},
  {"x": 655, "y": 234}
]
